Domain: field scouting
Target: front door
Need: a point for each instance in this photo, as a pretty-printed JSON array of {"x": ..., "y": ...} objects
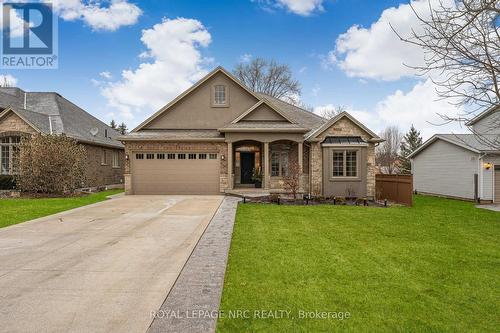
[{"x": 247, "y": 166}]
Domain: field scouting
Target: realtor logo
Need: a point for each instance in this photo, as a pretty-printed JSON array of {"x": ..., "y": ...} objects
[{"x": 29, "y": 39}]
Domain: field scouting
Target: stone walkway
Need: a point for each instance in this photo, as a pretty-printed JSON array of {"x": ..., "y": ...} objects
[{"x": 197, "y": 292}]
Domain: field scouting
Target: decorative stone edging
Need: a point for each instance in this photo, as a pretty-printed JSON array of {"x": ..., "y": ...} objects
[{"x": 199, "y": 286}]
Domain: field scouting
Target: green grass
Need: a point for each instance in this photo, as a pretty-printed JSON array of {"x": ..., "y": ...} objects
[
  {"x": 13, "y": 211},
  {"x": 434, "y": 267}
]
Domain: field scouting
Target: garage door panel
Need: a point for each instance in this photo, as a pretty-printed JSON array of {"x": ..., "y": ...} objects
[{"x": 175, "y": 176}]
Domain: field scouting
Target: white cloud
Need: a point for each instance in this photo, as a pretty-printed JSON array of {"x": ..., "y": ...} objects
[
  {"x": 8, "y": 80},
  {"x": 299, "y": 7},
  {"x": 420, "y": 106},
  {"x": 245, "y": 58},
  {"x": 176, "y": 63},
  {"x": 377, "y": 52},
  {"x": 119, "y": 13},
  {"x": 302, "y": 7},
  {"x": 107, "y": 75}
]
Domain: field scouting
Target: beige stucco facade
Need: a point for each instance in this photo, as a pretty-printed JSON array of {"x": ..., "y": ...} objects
[{"x": 249, "y": 128}]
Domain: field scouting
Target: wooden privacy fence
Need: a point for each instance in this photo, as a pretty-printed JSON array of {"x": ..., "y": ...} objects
[{"x": 397, "y": 188}]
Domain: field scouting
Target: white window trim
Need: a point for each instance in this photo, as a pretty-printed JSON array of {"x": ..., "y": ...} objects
[
  {"x": 345, "y": 178},
  {"x": 212, "y": 97},
  {"x": 115, "y": 159},
  {"x": 280, "y": 161},
  {"x": 104, "y": 155}
]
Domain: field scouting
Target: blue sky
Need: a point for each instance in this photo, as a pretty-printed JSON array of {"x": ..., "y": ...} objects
[{"x": 342, "y": 52}]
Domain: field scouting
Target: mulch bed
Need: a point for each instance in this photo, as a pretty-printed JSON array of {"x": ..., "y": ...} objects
[{"x": 282, "y": 200}]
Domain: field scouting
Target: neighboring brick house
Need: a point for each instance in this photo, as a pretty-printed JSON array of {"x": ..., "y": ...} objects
[
  {"x": 217, "y": 134},
  {"x": 25, "y": 113}
]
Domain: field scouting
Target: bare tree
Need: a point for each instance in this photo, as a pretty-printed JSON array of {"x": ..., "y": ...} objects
[
  {"x": 291, "y": 181},
  {"x": 387, "y": 153},
  {"x": 329, "y": 113},
  {"x": 269, "y": 77},
  {"x": 461, "y": 43}
]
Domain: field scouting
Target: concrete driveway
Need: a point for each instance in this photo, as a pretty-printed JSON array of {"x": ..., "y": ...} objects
[{"x": 100, "y": 268}]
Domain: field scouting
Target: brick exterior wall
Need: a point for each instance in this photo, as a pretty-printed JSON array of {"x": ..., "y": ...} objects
[
  {"x": 97, "y": 174},
  {"x": 343, "y": 127},
  {"x": 218, "y": 147}
]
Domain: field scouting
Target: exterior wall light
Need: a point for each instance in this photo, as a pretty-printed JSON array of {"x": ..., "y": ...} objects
[
  {"x": 487, "y": 165},
  {"x": 222, "y": 157}
]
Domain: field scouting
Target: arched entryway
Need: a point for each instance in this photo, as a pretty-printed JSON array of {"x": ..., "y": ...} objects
[{"x": 247, "y": 164}]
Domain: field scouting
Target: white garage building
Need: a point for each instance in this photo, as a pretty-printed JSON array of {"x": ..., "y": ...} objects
[{"x": 465, "y": 166}]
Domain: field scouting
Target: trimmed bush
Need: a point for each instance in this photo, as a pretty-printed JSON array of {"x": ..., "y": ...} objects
[{"x": 52, "y": 164}]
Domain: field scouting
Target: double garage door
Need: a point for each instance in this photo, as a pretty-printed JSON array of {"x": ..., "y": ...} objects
[{"x": 175, "y": 173}]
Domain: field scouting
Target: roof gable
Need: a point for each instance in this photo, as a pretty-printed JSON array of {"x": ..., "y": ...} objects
[
  {"x": 320, "y": 130},
  {"x": 183, "y": 96},
  {"x": 263, "y": 111},
  {"x": 21, "y": 115},
  {"x": 485, "y": 114}
]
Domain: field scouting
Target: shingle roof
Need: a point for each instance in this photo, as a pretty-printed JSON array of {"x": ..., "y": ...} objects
[
  {"x": 65, "y": 117},
  {"x": 264, "y": 124},
  {"x": 475, "y": 143},
  {"x": 481, "y": 143},
  {"x": 304, "y": 118}
]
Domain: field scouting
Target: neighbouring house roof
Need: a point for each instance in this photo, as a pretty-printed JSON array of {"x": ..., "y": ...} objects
[
  {"x": 483, "y": 115},
  {"x": 472, "y": 142},
  {"x": 50, "y": 112},
  {"x": 174, "y": 135}
]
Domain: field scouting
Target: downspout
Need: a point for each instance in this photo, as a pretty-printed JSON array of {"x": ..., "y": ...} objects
[
  {"x": 481, "y": 177},
  {"x": 50, "y": 125},
  {"x": 24, "y": 100}
]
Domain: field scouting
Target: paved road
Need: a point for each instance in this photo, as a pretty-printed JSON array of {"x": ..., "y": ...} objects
[{"x": 101, "y": 268}]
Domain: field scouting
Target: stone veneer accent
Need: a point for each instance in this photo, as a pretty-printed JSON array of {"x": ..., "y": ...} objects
[
  {"x": 12, "y": 123},
  {"x": 161, "y": 146},
  {"x": 343, "y": 127}
]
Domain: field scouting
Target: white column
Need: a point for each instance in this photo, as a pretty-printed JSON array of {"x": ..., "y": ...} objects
[
  {"x": 266, "y": 165},
  {"x": 230, "y": 183}
]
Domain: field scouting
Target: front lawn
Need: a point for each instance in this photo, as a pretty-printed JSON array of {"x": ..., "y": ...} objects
[
  {"x": 13, "y": 211},
  {"x": 431, "y": 268}
]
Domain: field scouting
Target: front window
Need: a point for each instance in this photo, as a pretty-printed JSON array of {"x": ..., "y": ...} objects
[
  {"x": 116, "y": 159},
  {"x": 344, "y": 163},
  {"x": 104, "y": 157},
  {"x": 220, "y": 95},
  {"x": 9, "y": 154},
  {"x": 279, "y": 163}
]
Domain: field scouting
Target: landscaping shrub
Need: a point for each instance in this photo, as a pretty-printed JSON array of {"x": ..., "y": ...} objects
[
  {"x": 7, "y": 182},
  {"x": 52, "y": 164}
]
